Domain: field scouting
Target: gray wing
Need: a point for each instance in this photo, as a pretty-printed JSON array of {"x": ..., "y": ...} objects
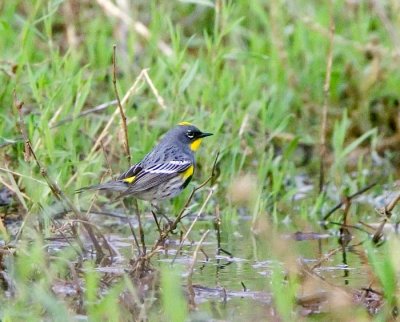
[
  {"x": 154, "y": 158},
  {"x": 152, "y": 176},
  {"x": 131, "y": 172}
]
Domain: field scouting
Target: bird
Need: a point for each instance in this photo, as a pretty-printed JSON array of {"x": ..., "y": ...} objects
[{"x": 164, "y": 172}]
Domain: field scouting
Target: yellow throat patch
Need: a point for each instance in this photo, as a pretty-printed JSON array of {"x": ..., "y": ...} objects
[{"x": 194, "y": 146}]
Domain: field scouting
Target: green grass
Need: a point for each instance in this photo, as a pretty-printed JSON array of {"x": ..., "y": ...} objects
[{"x": 252, "y": 74}]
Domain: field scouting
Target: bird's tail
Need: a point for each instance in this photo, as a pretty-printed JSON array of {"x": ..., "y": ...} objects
[{"x": 117, "y": 186}]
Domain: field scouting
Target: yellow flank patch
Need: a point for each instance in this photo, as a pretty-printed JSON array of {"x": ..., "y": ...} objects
[
  {"x": 188, "y": 172},
  {"x": 194, "y": 146},
  {"x": 184, "y": 123},
  {"x": 129, "y": 180}
]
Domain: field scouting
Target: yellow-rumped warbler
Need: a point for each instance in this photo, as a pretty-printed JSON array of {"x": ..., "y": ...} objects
[{"x": 165, "y": 171}]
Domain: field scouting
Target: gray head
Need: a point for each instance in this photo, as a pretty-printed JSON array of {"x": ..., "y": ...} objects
[{"x": 187, "y": 134}]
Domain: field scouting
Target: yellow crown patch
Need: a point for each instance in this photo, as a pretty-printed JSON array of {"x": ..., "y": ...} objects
[{"x": 184, "y": 123}]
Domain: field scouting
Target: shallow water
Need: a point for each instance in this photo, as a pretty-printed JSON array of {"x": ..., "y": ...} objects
[{"x": 238, "y": 287}]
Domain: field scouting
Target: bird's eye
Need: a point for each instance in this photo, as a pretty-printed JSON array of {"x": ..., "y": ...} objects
[{"x": 190, "y": 134}]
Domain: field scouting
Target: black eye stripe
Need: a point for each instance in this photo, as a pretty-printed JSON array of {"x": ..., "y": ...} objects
[{"x": 190, "y": 134}]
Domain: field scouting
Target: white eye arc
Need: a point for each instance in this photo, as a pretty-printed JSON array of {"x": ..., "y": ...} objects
[{"x": 190, "y": 134}]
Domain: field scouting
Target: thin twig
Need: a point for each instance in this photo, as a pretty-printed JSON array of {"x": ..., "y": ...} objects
[
  {"x": 327, "y": 84},
  {"x": 27, "y": 151},
  {"x": 22, "y": 201},
  {"x": 184, "y": 230},
  {"x": 387, "y": 213},
  {"x": 22, "y": 175},
  {"x": 107, "y": 160},
  {"x": 10, "y": 142},
  {"x": 87, "y": 222},
  {"x": 217, "y": 227},
  {"x": 325, "y": 258},
  {"x": 391, "y": 205},
  {"x": 59, "y": 230},
  {"x": 121, "y": 110},
  {"x": 95, "y": 212},
  {"x": 347, "y": 204},
  {"x": 159, "y": 98},
  {"x": 86, "y": 112},
  {"x": 349, "y": 226},
  {"x": 354, "y": 195},
  {"x": 194, "y": 259},
  {"x": 14, "y": 189}
]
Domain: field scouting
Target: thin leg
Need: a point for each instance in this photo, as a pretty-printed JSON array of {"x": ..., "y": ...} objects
[
  {"x": 156, "y": 220},
  {"x": 167, "y": 219},
  {"x": 124, "y": 202},
  {"x": 160, "y": 213},
  {"x": 141, "y": 232}
]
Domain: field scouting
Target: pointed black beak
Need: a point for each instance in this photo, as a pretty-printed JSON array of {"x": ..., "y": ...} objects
[{"x": 203, "y": 135}]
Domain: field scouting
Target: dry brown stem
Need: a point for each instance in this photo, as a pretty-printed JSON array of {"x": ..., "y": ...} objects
[
  {"x": 159, "y": 98},
  {"x": 387, "y": 213},
  {"x": 194, "y": 257},
  {"x": 354, "y": 195},
  {"x": 70, "y": 10},
  {"x": 327, "y": 84},
  {"x": 121, "y": 110}
]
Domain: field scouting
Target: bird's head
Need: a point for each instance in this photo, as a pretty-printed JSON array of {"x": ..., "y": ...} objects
[{"x": 190, "y": 135}]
